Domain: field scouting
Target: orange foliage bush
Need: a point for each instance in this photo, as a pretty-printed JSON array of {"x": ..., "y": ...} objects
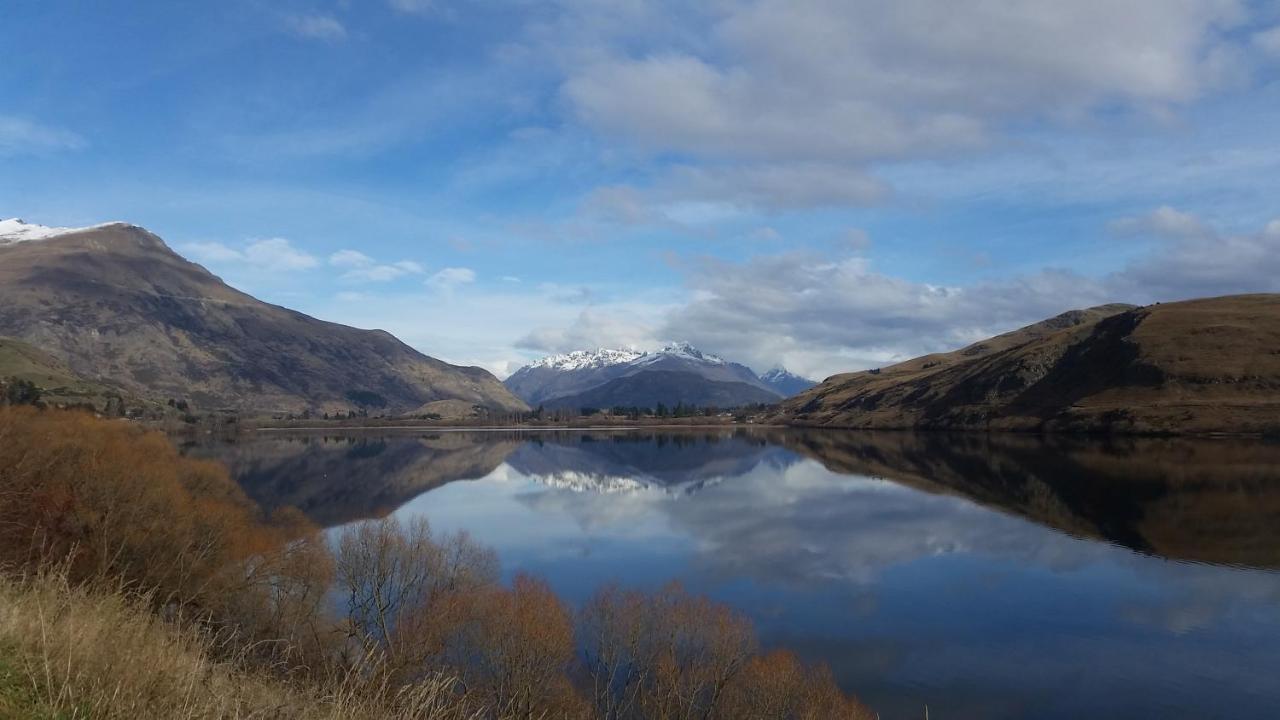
[
  {"x": 113, "y": 501},
  {"x": 389, "y": 607}
]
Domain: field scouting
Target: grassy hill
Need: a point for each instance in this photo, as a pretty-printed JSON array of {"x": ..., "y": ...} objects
[
  {"x": 1210, "y": 365},
  {"x": 120, "y": 307},
  {"x": 58, "y": 384}
]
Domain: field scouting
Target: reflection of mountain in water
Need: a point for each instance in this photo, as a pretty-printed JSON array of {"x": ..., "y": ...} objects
[
  {"x": 1214, "y": 501},
  {"x": 676, "y": 463},
  {"x": 336, "y": 480},
  {"x": 1208, "y": 500}
]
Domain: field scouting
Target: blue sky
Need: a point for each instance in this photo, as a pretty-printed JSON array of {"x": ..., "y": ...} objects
[{"x": 826, "y": 185}]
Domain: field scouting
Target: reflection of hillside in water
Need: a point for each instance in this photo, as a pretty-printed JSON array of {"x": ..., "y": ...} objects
[
  {"x": 676, "y": 463},
  {"x": 338, "y": 479},
  {"x": 1204, "y": 500}
]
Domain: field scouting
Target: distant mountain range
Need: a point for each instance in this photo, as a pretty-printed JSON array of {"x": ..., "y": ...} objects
[
  {"x": 115, "y": 306},
  {"x": 786, "y": 383},
  {"x": 1210, "y": 365},
  {"x": 678, "y": 374}
]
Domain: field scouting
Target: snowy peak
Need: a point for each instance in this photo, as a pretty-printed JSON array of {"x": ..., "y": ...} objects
[
  {"x": 676, "y": 373},
  {"x": 685, "y": 351},
  {"x": 785, "y": 382},
  {"x": 608, "y": 357},
  {"x": 587, "y": 359},
  {"x": 779, "y": 373},
  {"x": 17, "y": 230}
]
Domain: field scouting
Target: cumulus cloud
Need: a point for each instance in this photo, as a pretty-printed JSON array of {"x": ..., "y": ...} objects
[
  {"x": 362, "y": 268},
  {"x": 592, "y": 328},
  {"x": 451, "y": 277},
  {"x": 1191, "y": 259},
  {"x": 1165, "y": 220},
  {"x": 350, "y": 258},
  {"x": 820, "y": 316},
  {"x": 271, "y": 254},
  {"x": 212, "y": 252},
  {"x": 793, "y": 103},
  {"x": 318, "y": 27},
  {"x": 19, "y": 136}
]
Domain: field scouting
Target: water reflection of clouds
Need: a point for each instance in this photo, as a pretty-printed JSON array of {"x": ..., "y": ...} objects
[
  {"x": 779, "y": 520},
  {"x": 802, "y": 524},
  {"x": 921, "y": 571}
]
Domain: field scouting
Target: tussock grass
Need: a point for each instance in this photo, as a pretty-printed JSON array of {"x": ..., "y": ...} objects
[{"x": 69, "y": 652}]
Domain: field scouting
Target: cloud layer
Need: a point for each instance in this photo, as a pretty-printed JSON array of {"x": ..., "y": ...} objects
[
  {"x": 823, "y": 316},
  {"x": 792, "y": 103}
]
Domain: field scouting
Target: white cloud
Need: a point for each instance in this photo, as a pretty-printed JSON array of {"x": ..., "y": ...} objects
[
  {"x": 592, "y": 328},
  {"x": 363, "y": 269},
  {"x": 350, "y": 258},
  {"x": 270, "y": 255},
  {"x": 1165, "y": 221},
  {"x": 794, "y": 103},
  {"x": 318, "y": 27},
  {"x": 1269, "y": 41},
  {"x": 483, "y": 329},
  {"x": 1195, "y": 260},
  {"x": 212, "y": 252},
  {"x": 450, "y": 278},
  {"x": 817, "y": 316},
  {"x": 19, "y": 136},
  {"x": 820, "y": 316},
  {"x": 278, "y": 254}
]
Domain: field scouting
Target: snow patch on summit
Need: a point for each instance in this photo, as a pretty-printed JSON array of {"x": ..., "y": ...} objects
[
  {"x": 607, "y": 357},
  {"x": 778, "y": 373},
  {"x": 684, "y": 351},
  {"x": 16, "y": 230},
  {"x": 587, "y": 359}
]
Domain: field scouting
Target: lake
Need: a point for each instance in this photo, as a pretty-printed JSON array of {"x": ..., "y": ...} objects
[{"x": 985, "y": 576}]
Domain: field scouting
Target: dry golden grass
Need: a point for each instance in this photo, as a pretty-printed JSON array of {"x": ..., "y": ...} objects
[{"x": 71, "y": 652}]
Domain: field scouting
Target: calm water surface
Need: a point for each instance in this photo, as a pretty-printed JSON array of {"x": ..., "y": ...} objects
[{"x": 985, "y": 576}]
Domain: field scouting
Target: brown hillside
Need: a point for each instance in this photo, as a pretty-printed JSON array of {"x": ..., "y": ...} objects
[
  {"x": 1210, "y": 500},
  {"x": 1210, "y": 365},
  {"x": 116, "y": 304}
]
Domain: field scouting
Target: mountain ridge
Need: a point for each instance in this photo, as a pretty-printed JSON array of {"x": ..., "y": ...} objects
[
  {"x": 785, "y": 382},
  {"x": 116, "y": 304},
  {"x": 1207, "y": 365},
  {"x": 607, "y": 377}
]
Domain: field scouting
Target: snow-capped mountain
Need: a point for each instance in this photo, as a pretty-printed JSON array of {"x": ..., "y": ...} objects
[
  {"x": 16, "y": 230},
  {"x": 586, "y": 359},
  {"x": 677, "y": 373},
  {"x": 786, "y": 383},
  {"x": 680, "y": 351}
]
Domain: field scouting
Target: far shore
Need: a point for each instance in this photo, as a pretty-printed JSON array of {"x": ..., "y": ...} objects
[{"x": 668, "y": 424}]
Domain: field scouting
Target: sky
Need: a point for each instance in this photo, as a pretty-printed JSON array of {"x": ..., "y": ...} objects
[{"x": 825, "y": 185}]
